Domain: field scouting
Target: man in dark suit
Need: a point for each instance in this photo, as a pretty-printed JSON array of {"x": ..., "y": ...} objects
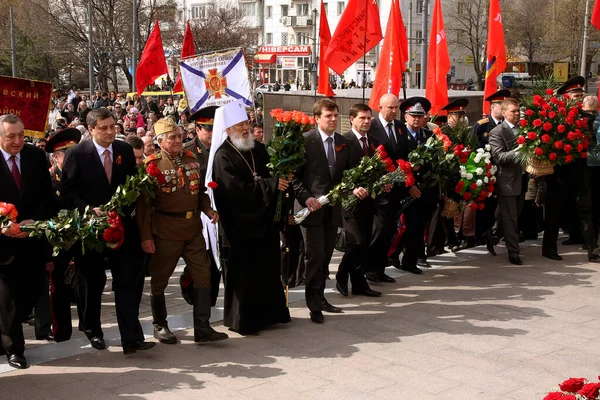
[
  {"x": 328, "y": 154},
  {"x": 25, "y": 183},
  {"x": 358, "y": 223},
  {"x": 92, "y": 172},
  {"x": 508, "y": 178},
  {"x": 386, "y": 129}
]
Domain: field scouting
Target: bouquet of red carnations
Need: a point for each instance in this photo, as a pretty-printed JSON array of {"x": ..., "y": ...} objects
[
  {"x": 477, "y": 175},
  {"x": 550, "y": 133},
  {"x": 575, "y": 389}
]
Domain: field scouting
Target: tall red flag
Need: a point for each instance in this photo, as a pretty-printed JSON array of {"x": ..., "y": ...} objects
[
  {"x": 153, "y": 63},
  {"x": 596, "y": 15},
  {"x": 496, "y": 53},
  {"x": 186, "y": 51},
  {"x": 438, "y": 62},
  {"x": 392, "y": 61},
  {"x": 359, "y": 25},
  {"x": 324, "y": 37}
]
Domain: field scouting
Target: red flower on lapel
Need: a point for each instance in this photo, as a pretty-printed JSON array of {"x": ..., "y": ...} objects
[
  {"x": 340, "y": 147},
  {"x": 372, "y": 146},
  {"x": 119, "y": 160}
]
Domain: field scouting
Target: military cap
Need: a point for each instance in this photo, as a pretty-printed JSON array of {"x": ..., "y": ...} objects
[
  {"x": 415, "y": 106},
  {"x": 573, "y": 85},
  {"x": 205, "y": 117},
  {"x": 440, "y": 120},
  {"x": 458, "y": 106},
  {"x": 63, "y": 140},
  {"x": 164, "y": 125},
  {"x": 499, "y": 96}
]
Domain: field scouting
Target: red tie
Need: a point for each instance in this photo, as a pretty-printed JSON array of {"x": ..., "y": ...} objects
[
  {"x": 107, "y": 164},
  {"x": 15, "y": 172},
  {"x": 364, "y": 145}
]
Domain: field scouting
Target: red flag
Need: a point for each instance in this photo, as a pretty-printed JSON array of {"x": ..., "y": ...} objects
[
  {"x": 438, "y": 62},
  {"x": 186, "y": 51},
  {"x": 359, "y": 25},
  {"x": 496, "y": 53},
  {"x": 392, "y": 61},
  {"x": 596, "y": 15},
  {"x": 324, "y": 37},
  {"x": 153, "y": 63}
]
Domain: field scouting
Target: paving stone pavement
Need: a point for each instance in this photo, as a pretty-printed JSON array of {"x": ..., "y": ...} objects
[{"x": 472, "y": 327}]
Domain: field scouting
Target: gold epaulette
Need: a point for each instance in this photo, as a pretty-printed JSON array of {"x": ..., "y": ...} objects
[
  {"x": 484, "y": 121},
  {"x": 152, "y": 157}
]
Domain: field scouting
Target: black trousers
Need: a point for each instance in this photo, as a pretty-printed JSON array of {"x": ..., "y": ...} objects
[
  {"x": 385, "y": 225},
  {"x": 556, "y": 193},
  {"x": 358, "y": 238},
  {"x": 292, "y": 262},
  {"x": 126, "y": 265},
  {"x": 319, "y": 241},
  {"x": 61, "y": 295},
  {"x": 417, "y": 217},
  {"x": 594, "y": 188}
]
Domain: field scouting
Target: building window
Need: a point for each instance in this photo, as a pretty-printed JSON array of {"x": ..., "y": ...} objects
[
  {"x": 302, "y": 38},
  {"x": 461, "y": 8},
  {"x": 302, "y": 9},
  {"x": 340, "y": 7},
  {"x": 419, "y": 36},
  {"x": 419, "y": 6},
  {"x": 165, "y": 13},
  {"x": 284, "y": 39},
  {"x": 269, "y": 38},
  {"x": 198, "y": 12},
  {"x": 269, "y": 11},
  {"x": 248, "y": 9},
  {"x": 284, "y": 10}
]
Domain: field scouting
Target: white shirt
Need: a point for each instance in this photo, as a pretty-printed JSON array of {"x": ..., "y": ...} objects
[
  {"x": 359, "y": 136},
  {"x": 497, "y": 121},
  {"x": 385, "y": 124},
  {"x": 324, "y": 140},
  {"x": 512, "y": 127},
  {"x": 9, "y": 163},
  {"x": 101, "y": 151}
]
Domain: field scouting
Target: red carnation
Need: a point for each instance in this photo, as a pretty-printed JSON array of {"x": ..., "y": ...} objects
[
  {"x": 531, "y": 135},
  {"x": 552, "y": 156},
  {"x": 481, "y": 206},
  {"x": 561, "y": 128},
  {"x": 212, "y": 185},
  {"x": 521, "y": 140},
  {"x": 551, "y": 114},
  {"x": 529, "y": 113},
  {"x": 567, "y": 148},
  {"x": 155, "y": 172},
  {"x": 473, "y": 206},
  {"x": 580, "y": 147},
  {"x": 473, "y": 186},
  {"x": 459, "y": 187},
  {"x": 568, "y": 158},
  {"x": 590, "y": 390},
  {"x": 549, "y": 92},
  {"x": 547, "y": 126},
  {"x": 380, "y": 148},
  {"x": 523, "y": 123},
  {"x": 572, "y": 385},
  {"x": 543, "y": 114},
  {"x": 467, "y": 196},
  {"x": 546, "y": 138},
  {"x": 554, "y": 396},
  {"x": 390, "y": 167},
  {"x": 410, "y": 181},
  {"x": 584, "y": 154},
  {"x": 571, "y": 136},
  {"x": 539, "y": 152},
  {"x": 9, "y": 211},
  {"x": 382, "y": 154},
  {"x": 558, "y": 144},
  {"x": 537, "y": 122}
]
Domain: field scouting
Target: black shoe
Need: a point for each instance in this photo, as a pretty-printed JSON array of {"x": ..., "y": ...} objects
[
  {"x": 373, "y": 277},
  {"x": 164, "y": 335},
  {"x": 48, "y": 337},
  {"x": 584, "y": 247},
  {"x": 208, "y": 334},
  {"x": 553, "y": 256},
  {"x": 317, "y": 317},
  {"x": 422, "y": 262},
  {"x": 515, "y": 260},
  {"x": 342, "y": 288},
  {"x": 490, "y": 248},
  {"x": 135, "y": 346},
  {"x": 325, "y": 306},
  {"x": 17, "y": 361},
  {"x": 521, "y": 237},
  {"x": 98, "y": 343},
  {"x": 412, "y": 270},
  {"x": 594, "y": 258},
  {"x": 386, "y": 278},
  {"x": 367, "y": 292},
  {"x": 394, "y": 262},
  {"x": 245, "y": 333}
]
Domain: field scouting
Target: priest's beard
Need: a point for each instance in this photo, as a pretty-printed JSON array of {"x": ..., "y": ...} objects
[{"x": 243, "y": 144}]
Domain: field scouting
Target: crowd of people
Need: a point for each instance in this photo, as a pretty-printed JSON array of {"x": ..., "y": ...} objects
[{"x": 229, "y": 230}]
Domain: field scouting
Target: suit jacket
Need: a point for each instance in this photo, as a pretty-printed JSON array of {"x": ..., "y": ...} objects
[
  {"x": 379, "y": 132},
  {"x": 35, "y": 200},
  {"x": 314, "y": 180},
  {"x": 509, "y": 175},
  {"x": 365, "y": 206},
  {"x": 482, "y": 129}
]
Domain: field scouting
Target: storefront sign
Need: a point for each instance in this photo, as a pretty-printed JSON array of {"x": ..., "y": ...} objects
[
  {"x": 285, "y": 50},
  {"x": 289, "y": 63}
]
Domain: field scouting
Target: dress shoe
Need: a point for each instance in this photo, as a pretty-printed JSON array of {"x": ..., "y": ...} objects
[
  {"x": 515, "y": 260},
  {"x": 595, "y": 258},
  {"x": 553, "y": 256},
  {"x": 584, "y": 247},
  {"x": 367, "y": 292},
  {"x": 422, "y": 262},
  {"x": 98, "y": 343},
  {"x": 245, "y": 333},
  {"x": 412, "y": 270},
  {"x": 325, "y": 306},
  {"x": 373, "y": 277},
  {"x": 17, "y": 361},
  {"x": 342, "y": 288},
  {"x": 138, "y": 345},
  {"x": 164, "y": 335},
  {"x": 317, "y": 317},
  {"x": 386, "y": 278},
  {"x": 48, "y": 337},
  {"x": 394, "y": 262}
]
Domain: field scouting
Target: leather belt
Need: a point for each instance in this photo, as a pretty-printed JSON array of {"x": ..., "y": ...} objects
[{"x": 186, "y": 214}]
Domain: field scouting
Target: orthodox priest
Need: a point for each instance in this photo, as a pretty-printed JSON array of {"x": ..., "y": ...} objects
[{"x": 245, "y": 196}]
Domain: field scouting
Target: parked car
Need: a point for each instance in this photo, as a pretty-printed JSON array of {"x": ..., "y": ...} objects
[{"x": 265, "y": 87}]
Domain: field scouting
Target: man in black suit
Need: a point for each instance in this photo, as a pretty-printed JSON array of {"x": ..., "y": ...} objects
[
  {"x": 25, "y": 183},
  {"x": 328, "y": 154},
  {"x": 92, "y": 172},
  {"x": 358, "y": 223},
  {"x": 386, "y": 129},
  {"x": 508, "y": 178}
]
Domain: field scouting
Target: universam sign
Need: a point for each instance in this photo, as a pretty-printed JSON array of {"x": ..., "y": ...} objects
[{"x": 28, "y": 100}]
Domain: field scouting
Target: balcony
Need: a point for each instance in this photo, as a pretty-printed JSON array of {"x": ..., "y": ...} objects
[{"x": 296, "y": 21}]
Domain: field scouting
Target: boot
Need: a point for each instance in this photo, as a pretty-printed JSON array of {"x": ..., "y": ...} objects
[
  {"x": 159, "y": 314},
  {"x": 203, "y": 332}
]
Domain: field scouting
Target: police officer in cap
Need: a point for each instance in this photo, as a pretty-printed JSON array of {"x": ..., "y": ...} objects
[
  {"x": 61, "y": 292},
  {"x": 573, "y": 88},
  {"x": 170, "y": 228},
  {"x": 483, "y": 127},
  {"x": 457, "y": 111}
]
